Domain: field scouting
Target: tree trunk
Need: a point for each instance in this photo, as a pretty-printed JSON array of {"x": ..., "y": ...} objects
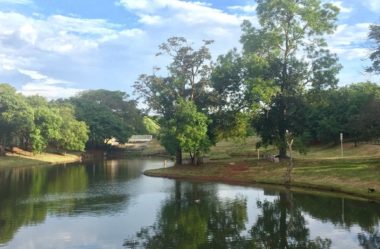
[
  {"x": 282, "y": 129},
  {"x": 282, "y": 152},
  {"x": 178, "y": 156},
  {"x": 2, "y": 151}
]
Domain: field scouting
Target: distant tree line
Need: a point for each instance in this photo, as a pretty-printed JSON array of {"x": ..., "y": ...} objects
[{"x": 87, "y": 120}]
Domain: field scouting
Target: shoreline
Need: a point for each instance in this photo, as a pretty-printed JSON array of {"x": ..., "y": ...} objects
[
  {"x": 12, "y": 161},
  {"x": 256, "y": 174}
]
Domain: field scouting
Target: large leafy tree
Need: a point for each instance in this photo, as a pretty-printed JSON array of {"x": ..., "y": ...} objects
[
  {"x": 283, "y": 58},
  {"x": 191, "y": 129},
  {"x": 188, "y": 79},
  {"x": 16, "y": 117},
  {"x": 56, "y": 126},
  {"x": 230, "y": 99},
  {"x": 109, "y": 114}
]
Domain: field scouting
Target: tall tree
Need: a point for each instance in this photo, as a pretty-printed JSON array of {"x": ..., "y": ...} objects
[
  {"x": 188, "y": 79},
  {"x": 284, "y": 58},
  {"x": 374, "y": 36}
]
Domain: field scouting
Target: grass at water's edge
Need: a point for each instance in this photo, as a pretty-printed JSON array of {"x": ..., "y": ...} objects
[
  {"x": 16, "y": 161},
  {"x": 352, "y": 177}
]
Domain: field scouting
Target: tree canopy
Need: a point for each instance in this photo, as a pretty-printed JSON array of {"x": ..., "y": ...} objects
[
  {"x": 180, "y": 96},
  {"x": 109, "y": 114},
  {"x": 34, "y": 123},
  {"x": 283, "y": 59},
  {"x": 374, "y": 36}
]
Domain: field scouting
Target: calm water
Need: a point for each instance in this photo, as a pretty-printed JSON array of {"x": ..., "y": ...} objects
[{"x": 112, "y": 205}]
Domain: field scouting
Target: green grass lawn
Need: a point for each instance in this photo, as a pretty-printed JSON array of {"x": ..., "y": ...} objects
[
  {"x": 321, "y": 168},
  {"x": 247, "y": 147}
]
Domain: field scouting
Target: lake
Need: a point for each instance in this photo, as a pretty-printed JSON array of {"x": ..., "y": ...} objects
[{"x": 111, "y": 204}]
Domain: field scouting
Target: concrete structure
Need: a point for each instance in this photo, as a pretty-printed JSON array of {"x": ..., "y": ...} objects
[{"x": 140, "y": 139}]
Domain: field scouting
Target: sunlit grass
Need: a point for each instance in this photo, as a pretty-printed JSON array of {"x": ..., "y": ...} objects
[{"x": 15, "y": 160}]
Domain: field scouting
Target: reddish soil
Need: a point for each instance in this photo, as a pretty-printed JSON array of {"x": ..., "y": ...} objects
[{"x": 238, "y": 167}]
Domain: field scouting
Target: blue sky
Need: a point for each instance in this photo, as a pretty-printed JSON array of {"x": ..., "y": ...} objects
[{"x": 56, "y": 48}]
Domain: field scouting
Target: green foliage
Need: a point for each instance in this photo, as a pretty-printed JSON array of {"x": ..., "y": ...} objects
[
  {"x": 33, "y": 123},
  {"x": 16, "y": 116},
  {"x": 191, "y": 129},
  {"x": 49, "y": 123},
  {"x": 188, "y": 80},
  {"x": 73, "y": 133},
  {"x": 151, "y": 126},
  {"x": 37, "y": 141},
  {"x": 187, "y": 129},
  {"x": 277, "y": 74},
  {"x": 108, "y": 114},
  {"x": 374, "y": 36},
  {"x": 349, "y": 109}
]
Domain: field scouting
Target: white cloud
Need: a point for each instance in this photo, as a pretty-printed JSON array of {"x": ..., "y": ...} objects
[
  {"x": 11, "y": 62},
  {"x": 34, "y": 75},
  {"x": 348, "y": 41},
  {"x": 60, "y": 52},
  {"x": 20, "y": 2},
  {"x": 372, "y": 5},
  {"x": 135, "y": 5},
  {"x": 193, "y": 20},
  {"x": 46, "y": 86},
  {"x": 33, "y": 45},
  {"x": 244, "y": 8},
  {"x": 60, "y": 34},
  {"x": 342, "y": 8},
  {"x": 48, "y": 91},
  {"x": 150, "y": 19},
  {"x": 190, "y": 13}
]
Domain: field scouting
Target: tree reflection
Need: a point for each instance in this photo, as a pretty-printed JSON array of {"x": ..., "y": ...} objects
[
  {"x": 27, "y": 195},
  {"x": 281, "y": 225},
  {"x": 370, "y": 240},
  {"x": 194, "y": 218},
  {"x": 340, "y": 211},
  {"x": 213, "y": 222}
]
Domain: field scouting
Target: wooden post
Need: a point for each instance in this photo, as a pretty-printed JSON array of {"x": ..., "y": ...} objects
[
  {"x": 258, "y": 154},
  {"x": 341, "y": 144}
]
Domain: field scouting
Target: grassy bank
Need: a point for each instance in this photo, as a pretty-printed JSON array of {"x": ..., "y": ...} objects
[
  {"x": 16, "y": 160},
  {"x": 322, "y": 168}
]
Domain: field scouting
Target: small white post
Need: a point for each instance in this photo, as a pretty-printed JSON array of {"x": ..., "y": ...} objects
[
  {"x": 341, "y": 144},
  {"x": 165, "y": 164}
]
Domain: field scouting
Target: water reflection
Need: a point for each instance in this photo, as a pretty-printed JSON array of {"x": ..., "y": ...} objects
[
  {"x": 28, "y": 195},
  {"x": 194, "y": 217},
  {"x": 282, "y": 225},
  {"x": 111, "y": 205},
  {"x": 370, "y": 240}
]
